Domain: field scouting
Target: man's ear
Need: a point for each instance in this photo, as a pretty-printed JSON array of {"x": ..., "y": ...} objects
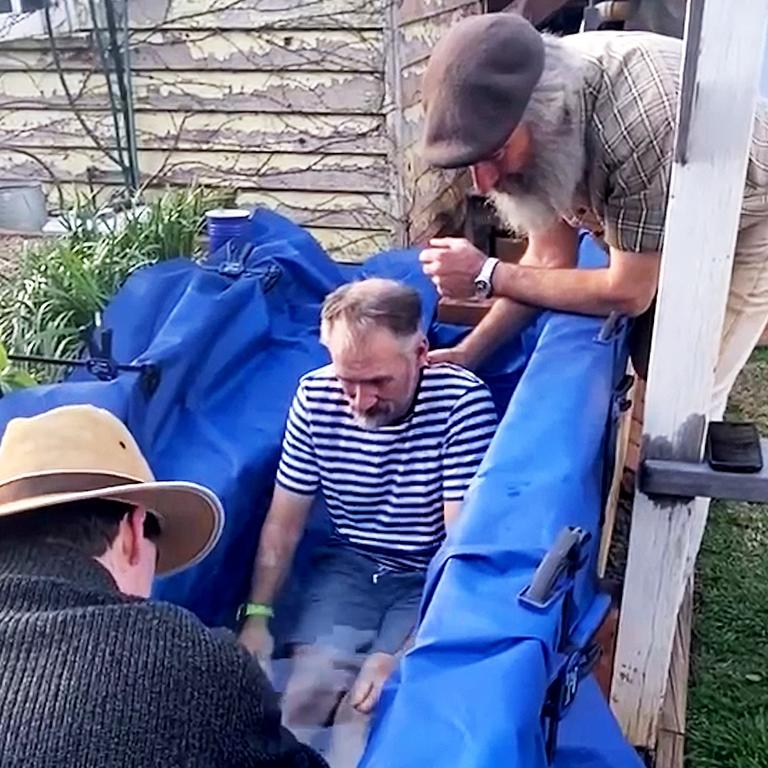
[
  {"x": 422, "y": 350},
  {"x": 517, "y": 150},
  {"x": 134, "y": 523}
]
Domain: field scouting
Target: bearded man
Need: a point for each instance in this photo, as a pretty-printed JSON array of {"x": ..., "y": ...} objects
[{"x": 569, "y": 133}]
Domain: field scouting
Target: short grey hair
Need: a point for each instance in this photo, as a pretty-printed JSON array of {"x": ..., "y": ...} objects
[{"x": 373, "y": 303}]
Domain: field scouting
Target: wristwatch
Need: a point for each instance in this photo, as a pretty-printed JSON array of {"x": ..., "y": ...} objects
[{"x": 484, "y": 281}]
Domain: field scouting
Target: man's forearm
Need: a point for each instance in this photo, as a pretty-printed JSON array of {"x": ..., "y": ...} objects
[
  {"x": 273, "y": 561},
  {"x": 280, "y": 535},
  {"x": 504, "y": 319},
  {"x": 580, "y": 291},
  {"x": 554, "y": 248}
]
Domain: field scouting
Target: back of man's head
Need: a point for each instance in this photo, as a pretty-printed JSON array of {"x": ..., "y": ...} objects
[
  {"x": 373, "y": 304},
  {"x": 90, "y": 526},
  {"x": 118, "y": 535}
]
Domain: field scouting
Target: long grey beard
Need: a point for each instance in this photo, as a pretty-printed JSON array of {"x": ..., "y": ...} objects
[
  {"x": 535, "y": 198},
  {"x": 522, "y": 212}
]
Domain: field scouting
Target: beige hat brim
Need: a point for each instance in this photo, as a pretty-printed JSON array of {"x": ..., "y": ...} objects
[{"x": 191, "y": 516}]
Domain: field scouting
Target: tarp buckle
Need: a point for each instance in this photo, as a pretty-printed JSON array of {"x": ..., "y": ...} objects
[
  {"x": 562, "y": 692},
  {"x": 553, "y": 581},
  {"x": 233, "y": 265},
  {"x": 236, "y": 264},
  {"x": 613, "y": 325},
  {"x": 621, "y": 400},
  {"x": 231, "y": 268},
  {"x": 554, "y": 576}
]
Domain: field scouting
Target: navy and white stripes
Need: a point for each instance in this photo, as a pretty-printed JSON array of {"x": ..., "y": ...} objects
[{"x": 385, "y": 488}]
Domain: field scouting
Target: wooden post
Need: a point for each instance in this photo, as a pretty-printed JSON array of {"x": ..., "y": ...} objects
[
  {"x": 670, "y": 747},
  {"x": 619, "y": 463},
  {"x": 720, "y": 75}
]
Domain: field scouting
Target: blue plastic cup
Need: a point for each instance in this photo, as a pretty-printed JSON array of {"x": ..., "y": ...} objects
[{"x": 226, "y": 224}]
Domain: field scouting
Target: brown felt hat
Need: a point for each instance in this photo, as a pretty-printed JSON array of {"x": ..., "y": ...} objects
[
  {"x": 477, "y": 85},
  {"x": 79, "y": 452}
]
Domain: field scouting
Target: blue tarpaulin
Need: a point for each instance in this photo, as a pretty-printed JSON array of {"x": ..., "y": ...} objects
[
  {"x": 230, "y": 339},
  {"x": 230, "y": 347},
  {"x": 475, "y": 680}
]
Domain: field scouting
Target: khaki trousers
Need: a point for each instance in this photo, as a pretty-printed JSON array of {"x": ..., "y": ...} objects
[{"x": 746, "y": 314}]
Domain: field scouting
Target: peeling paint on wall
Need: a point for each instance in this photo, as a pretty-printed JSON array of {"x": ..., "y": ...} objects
[
  {"x": 283, "y": 100},
  {"x": 268, "y": 50}
]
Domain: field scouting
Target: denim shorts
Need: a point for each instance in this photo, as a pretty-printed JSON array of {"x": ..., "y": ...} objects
[{"x": 355, "y": 607}]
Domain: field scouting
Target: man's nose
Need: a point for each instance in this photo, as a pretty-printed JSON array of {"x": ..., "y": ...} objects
[
  {"x": 363, "y": 397},
  {"x": 484, "y": 177}
]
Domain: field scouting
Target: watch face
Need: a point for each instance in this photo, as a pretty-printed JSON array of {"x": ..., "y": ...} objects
[{"x": 482, "y": 287}]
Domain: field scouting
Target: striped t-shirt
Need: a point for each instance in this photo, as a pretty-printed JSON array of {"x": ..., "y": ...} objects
[{"x": 385, "y": 487}]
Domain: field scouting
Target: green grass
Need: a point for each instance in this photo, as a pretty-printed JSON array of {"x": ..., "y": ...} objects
[{"x": 728, "y": 701}]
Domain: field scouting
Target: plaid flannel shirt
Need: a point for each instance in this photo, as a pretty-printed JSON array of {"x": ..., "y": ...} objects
[{"x": 628, "y": 106}]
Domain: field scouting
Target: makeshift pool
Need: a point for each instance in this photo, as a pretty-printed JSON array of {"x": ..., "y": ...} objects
[{"x": 491, "y": 673}]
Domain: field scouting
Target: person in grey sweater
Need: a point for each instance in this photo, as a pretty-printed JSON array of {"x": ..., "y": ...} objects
[{"x": 92, "y": 673}]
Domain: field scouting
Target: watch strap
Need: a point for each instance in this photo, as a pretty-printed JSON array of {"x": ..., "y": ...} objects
[
  {"x": 484, "y": 280},
  {"x": 255, "y": 609}
]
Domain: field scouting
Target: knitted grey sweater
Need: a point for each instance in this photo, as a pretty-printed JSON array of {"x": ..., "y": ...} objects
[{"x": 90, "y": 677}]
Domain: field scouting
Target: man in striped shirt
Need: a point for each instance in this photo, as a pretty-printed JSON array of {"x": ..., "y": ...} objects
[{"x": 392, "y": 444}]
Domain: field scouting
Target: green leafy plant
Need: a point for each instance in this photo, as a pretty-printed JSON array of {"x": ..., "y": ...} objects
[
  {"x": 63, "y": 283},
  {"x": 10, "y": 377}
]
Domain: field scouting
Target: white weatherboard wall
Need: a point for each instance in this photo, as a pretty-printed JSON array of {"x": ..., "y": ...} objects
[{"x": 307, "y": 106}]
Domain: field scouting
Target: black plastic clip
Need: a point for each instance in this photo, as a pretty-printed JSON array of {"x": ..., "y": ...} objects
[
  {"x": 562, "y": 692},
  {"x": 555, "y": 573},
  {"x": 104, "y": 367},
  {"x": 100, "y": 362},
  {"x": 621, "y": 400},
  {"x": 612, "y": 326},
  {"x": 554, "y": 580}
]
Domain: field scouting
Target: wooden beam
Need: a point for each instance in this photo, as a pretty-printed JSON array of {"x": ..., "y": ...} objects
[
  {"x": 686, "y": 480},
  {"x": 606, "y": 638},
  {"x": 670, "y": 752},
  {"x": 619, "y": 464},
  {"x": 329, "y": 50},
  {"x": 705, "y": 198},
  {"x": 763, "y": 339},
  {"x": 316, "y": 93},
  {"x": 256, "y": 16},
  {"x": 536, "y": 11}
]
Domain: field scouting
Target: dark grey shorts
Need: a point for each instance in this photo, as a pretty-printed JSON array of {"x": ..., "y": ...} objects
[{"x": 353, "y": 607}]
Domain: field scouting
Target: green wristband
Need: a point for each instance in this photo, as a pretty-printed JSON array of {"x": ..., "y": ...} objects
[{"x": 255, "y": 609}]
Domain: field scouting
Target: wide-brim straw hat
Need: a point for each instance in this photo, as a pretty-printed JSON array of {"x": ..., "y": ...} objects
[{"x": 79, "y": 452}]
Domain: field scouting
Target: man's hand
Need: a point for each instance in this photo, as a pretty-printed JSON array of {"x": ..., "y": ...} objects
[
  {"x": 452, "y": 263},
  {"x": 257, "y": 639},
  {"x": 367, "y": 688},
  {"x": 457, "y": 355}
]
